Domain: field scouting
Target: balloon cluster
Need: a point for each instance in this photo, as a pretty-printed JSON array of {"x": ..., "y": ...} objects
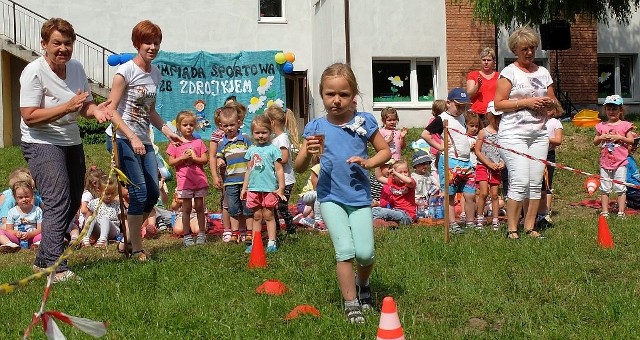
[
  {"x": 286, "y": 60},
  {"x": 117, "y": 59}
]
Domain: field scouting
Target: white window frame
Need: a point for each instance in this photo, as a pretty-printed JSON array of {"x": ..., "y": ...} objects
[
  {"x": 274, "y": 20},
  {"x": 413, "y": 83},
  {"x": 616, "y": 73}
]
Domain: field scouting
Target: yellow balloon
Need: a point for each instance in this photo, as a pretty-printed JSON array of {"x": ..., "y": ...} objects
[
  {"x": 280, "y": 58},
  {"x": 290, "y": 57}
]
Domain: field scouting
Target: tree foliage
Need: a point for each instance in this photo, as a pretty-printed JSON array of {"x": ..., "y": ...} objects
[{"x": 535, "y": 12}]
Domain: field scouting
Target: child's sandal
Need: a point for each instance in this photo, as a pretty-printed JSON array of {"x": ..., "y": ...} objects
[
  {"x": 354, "y": 314},
  {"x": 101, "y": 243},
  {"x": 235, "y": 237}
]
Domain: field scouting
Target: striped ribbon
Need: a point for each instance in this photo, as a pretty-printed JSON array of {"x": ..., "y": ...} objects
[{"x": 546, "y": 162}]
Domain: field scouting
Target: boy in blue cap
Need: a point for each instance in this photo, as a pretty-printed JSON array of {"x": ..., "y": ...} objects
[{"x": 459, "y": 153}]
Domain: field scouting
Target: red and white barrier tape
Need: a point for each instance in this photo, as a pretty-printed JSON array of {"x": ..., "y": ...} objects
[{"x": 546, "y": 162}]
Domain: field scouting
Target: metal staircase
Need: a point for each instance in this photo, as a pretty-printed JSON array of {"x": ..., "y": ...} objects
[{"x": 20, "y": 36}]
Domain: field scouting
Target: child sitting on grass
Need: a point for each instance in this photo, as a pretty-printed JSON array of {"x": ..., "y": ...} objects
[
  {"x": 178, "y": 228},
  {"x": 159, "y": 219},
  {"x": 107, "y": 219},
  {"x": 426, "y": 184},
  {"x": 311, "y": 216},
  {"x": 6, "y": 197},
  {"x": 24, "y": 221},
  {"x": 398, "y": 197},
  {"x": 377, "y": 178}
]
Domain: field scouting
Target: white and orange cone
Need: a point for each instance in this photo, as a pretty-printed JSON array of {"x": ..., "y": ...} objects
[
  {"x": 389, "y": 327},
  {"x": 592, "y": 184}
]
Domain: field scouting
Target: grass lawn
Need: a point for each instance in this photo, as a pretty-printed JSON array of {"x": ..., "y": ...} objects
[{"x": 480, "y": 285}]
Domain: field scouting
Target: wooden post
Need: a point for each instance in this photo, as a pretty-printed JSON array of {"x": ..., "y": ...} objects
[
  {"x": 123, "y": 220},
  {"x": 445, "y": 138}
]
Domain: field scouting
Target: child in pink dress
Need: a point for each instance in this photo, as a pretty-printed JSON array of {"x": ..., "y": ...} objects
[
  {"x": 192, "y": 186},
  {"x": 613, "y": 136}
]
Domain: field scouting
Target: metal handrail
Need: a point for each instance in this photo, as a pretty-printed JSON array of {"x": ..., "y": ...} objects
[{"x": 22, "y": 26}]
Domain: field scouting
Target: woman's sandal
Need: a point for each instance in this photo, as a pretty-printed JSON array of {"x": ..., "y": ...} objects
[
  {"x": 101, "y": 244},
  {"x": 140, "y": 256},
  {"x": 534, "y": 234},
  {"x": 513, "y": 235}
]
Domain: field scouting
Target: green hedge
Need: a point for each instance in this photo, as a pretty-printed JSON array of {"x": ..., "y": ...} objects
[{"x": 91, "y": 131}]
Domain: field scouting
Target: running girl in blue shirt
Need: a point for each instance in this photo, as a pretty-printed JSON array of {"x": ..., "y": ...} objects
[{"x": 341, "y": 138}]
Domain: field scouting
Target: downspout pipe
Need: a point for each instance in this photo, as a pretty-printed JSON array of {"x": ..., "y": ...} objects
[{"x": 347, "y": 34}]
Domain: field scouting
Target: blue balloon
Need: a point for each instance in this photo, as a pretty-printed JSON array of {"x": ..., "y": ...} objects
[
  {"x": 287, "y": 67},
  {"x": 124, "y": 57},
  {"x": 113, "y": 60}
]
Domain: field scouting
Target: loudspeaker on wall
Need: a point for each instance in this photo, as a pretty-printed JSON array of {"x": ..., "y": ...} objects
[{"x": 555, "y": 35}]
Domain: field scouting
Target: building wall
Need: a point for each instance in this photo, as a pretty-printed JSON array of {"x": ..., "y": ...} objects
[
  {"x": 328, "y": 40},
  {"x": 315, "y": 32},
  {"x": 396, "y": 30},
  {"x": 465, "y": 39},
  {"x": 212, "y": 26},
  {"x": 623, "y": 39},
  {"x": 578, "y": 66}
]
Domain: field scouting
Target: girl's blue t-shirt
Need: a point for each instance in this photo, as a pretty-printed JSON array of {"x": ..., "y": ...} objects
[
  {"x": 261, "y": 161},
  {"x": 339, "y": 181},
  {"x": 10, "y": 202}
]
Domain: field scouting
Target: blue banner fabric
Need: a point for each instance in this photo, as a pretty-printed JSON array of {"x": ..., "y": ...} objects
[{"x": 202, "y": 81}]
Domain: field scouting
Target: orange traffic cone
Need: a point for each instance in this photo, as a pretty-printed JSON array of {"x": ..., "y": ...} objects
[
  {"x": 389, "y": 327},
  {"x": 257, "y": 259},
  {"x": 592, "y": 184},
  {"x": 604, "y": 235}
]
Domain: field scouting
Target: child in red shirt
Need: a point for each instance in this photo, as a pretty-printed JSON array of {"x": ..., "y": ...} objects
[{"x": 398, "y": 197}]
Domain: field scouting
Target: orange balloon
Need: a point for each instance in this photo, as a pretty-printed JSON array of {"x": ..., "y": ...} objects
[{"x": 290, "y": 57}]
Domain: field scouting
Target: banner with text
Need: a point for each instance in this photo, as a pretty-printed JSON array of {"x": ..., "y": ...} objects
[{"x": 201, "y": 81}]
